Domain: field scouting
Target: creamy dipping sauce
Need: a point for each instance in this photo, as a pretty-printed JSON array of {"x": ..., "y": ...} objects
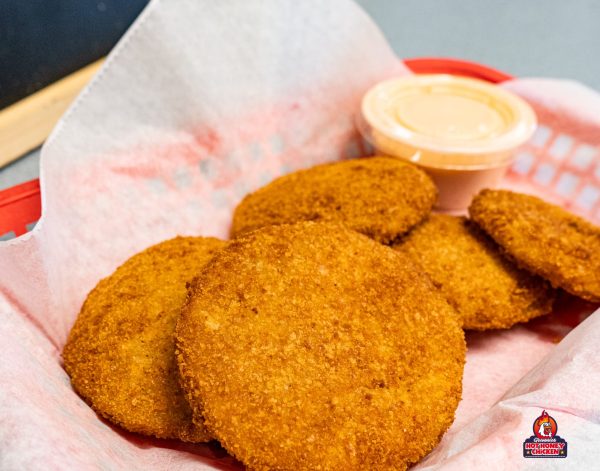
[{"x": 462, "y": 131}]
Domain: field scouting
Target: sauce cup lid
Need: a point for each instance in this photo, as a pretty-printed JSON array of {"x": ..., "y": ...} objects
[{"x": 445, "y": 121}]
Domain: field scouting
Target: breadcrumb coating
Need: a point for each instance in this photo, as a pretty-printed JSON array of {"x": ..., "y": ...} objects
[
  {"x": 488, "y": 290},
  {"x": 543, "y": 238},
  {"x": 120, "y": 354},
  {"x": 310, "y": 346},
  {"x": 378, "y": 196}
]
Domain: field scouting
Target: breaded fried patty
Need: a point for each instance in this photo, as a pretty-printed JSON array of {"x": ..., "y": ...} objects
[
  {"x": 120, "y": 354},
  {"x": 543, "y": 238},
  {"x": 378, "y": 196},
  {"x": 486, "y": 288},
  {"x": 310, "y": 346}
]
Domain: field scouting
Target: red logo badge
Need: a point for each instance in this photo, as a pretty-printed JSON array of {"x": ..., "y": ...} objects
[{"x": 545, "y": 443}]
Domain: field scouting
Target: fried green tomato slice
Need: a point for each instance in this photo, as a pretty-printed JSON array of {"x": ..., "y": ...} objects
[
  {"x": 311, "y": 346},
  {"x": 120, "y": 353},
  {"x": 543, "y": 238},
  {"x": 380, "y": 197},
  {"x": 488, "y": 290}
]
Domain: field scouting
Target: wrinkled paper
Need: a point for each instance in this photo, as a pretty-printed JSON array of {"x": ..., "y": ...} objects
[{"x": 200, "y": 103}]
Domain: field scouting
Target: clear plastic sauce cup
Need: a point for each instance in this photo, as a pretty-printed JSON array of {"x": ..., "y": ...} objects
[{"x": 463, "y": 132}]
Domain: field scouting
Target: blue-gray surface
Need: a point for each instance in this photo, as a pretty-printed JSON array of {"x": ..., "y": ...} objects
[
  {"x": 22, "y": 170},
  {"x": 551, "y": 38}
]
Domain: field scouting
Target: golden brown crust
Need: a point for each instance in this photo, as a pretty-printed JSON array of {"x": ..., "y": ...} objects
[
  {"x": 378, "y": 196},
  {"x": 543, "y": 238},
  {"x": 310, "y": 346},
  {"x": 486, "y": 288},
  {"x": 120, "y": 354}
]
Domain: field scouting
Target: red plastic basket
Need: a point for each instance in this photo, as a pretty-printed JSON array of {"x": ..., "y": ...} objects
[
  {"x": 20, "y": 206},
  {"x": 440, "y": 65}
]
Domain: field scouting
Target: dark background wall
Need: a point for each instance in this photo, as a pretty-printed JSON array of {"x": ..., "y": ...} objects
[{"x": 44, "y": 40}]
